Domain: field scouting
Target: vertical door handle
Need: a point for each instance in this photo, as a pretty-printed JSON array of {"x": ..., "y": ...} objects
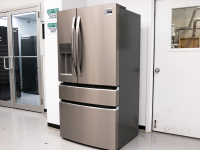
[
  {"x": 73, "y": 46},
  {"x": 9, "y": 62},
  {"x": 78, "y": 44}
]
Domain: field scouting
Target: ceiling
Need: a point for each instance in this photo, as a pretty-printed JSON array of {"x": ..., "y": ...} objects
[
  {"x": 183, "y": 13},
  {"x": 28, "y": 16}
]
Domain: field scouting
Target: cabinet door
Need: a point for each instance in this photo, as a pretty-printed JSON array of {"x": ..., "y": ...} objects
[
  {"x": 98, "y": 47},
  {"x": 66, "y": 38}
]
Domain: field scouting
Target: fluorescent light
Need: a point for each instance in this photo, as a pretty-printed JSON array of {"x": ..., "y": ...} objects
[
  {"x": 23, "y": 14},
  {"x": 4, "y": 18}
]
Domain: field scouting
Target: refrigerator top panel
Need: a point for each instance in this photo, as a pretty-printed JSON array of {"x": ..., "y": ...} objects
[
  {"x": 66, "y": 59},
  {"x": 98, "y": 46}
]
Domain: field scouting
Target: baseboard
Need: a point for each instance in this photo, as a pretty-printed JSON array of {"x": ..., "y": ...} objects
[
  {"x": 45, "y": 110},
  {"x": 58, "y": 126},
  {"x": 53, "y": 125},
  {"x": 141, "y": 127}
]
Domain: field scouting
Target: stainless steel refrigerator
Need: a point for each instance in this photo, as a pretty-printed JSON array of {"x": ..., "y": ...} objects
[{"x": 99, "y": 65}]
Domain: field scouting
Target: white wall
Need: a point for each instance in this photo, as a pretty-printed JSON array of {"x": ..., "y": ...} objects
[
  {"x": 69, "y": 4},
  {"x": 140, "y": 7},
  {"x": 51, "y": 66}
]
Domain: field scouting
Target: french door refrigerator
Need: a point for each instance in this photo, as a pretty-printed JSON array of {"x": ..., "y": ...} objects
[{"x": 99, "y": 63}]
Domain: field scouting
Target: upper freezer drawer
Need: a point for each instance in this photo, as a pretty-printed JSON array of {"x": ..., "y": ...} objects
[
  {"x": 92, "y": 126},
  {"x": 106, "y": 97}
]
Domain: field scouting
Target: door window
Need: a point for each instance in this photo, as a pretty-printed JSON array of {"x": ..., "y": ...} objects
[
  {"x": 185, "y": 27},
  {"x": 24, "y": 27}
]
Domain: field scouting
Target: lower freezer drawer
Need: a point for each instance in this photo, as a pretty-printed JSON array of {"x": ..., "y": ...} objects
[{"x": 92, "y": 126}]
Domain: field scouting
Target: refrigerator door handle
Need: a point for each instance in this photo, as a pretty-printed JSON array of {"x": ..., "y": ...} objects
[
  {"x": 97, "y": 108},
  {"x": 73, "y": 45},
  {"x": 78, "y": 45}
]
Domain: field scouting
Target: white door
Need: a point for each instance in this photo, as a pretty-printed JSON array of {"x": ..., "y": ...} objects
[{"x": 176, "y": 107}]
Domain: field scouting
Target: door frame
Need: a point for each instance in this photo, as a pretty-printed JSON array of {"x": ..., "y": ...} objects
[
  {"x": 20, "y": 105},
  {"x": 150, "y": 65},
  {"x": 17, "y": 10}
]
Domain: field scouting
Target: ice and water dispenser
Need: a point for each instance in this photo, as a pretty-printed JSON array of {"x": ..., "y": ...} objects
[{"x": 66, "y": 60}]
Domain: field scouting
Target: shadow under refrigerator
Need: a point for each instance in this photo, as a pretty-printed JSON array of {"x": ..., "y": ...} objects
[{"x": 99, "y": 63}]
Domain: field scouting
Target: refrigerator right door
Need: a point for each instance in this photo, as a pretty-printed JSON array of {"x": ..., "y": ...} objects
[{"x": 96, "y": 45}]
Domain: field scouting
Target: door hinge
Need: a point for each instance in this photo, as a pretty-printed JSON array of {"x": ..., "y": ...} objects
[
  {"x": 41, "y": 101},
  {"x": 155, "y": 124},
  {"x": 38, "y": 14}
]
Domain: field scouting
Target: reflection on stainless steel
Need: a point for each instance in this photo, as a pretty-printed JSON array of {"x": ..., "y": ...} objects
[
  {"x": 194, "y": 27},
  {"x": 193, "y": 15},
  {"x": 89, "y": 125}
]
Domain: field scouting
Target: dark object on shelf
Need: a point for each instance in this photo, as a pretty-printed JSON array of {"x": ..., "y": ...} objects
[
  {"x": 29, "y": 65},
  {"x": 17, "y": 65}
]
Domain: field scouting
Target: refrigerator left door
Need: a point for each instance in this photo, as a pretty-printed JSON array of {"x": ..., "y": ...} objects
[{"x": 66, "y": 46}]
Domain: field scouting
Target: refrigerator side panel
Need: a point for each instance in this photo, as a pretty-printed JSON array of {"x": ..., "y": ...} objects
[
  {"x": 65, "y": 51},
  {"x": 129, "y": 69},
  {"x": 98, "y": 27}
]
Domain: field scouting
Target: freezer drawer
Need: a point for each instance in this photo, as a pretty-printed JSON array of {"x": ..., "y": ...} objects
[
  {"x": 89, "y": 125},
  {"x": 96, "y": 96}
]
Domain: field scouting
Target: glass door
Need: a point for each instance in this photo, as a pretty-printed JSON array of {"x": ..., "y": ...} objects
[
  {"x": 26, "y": 58},
  {"x": 6, "y": 69}
]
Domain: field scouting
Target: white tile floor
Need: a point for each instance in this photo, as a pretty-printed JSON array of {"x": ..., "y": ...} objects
[{"x": 24, "y": 130}]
